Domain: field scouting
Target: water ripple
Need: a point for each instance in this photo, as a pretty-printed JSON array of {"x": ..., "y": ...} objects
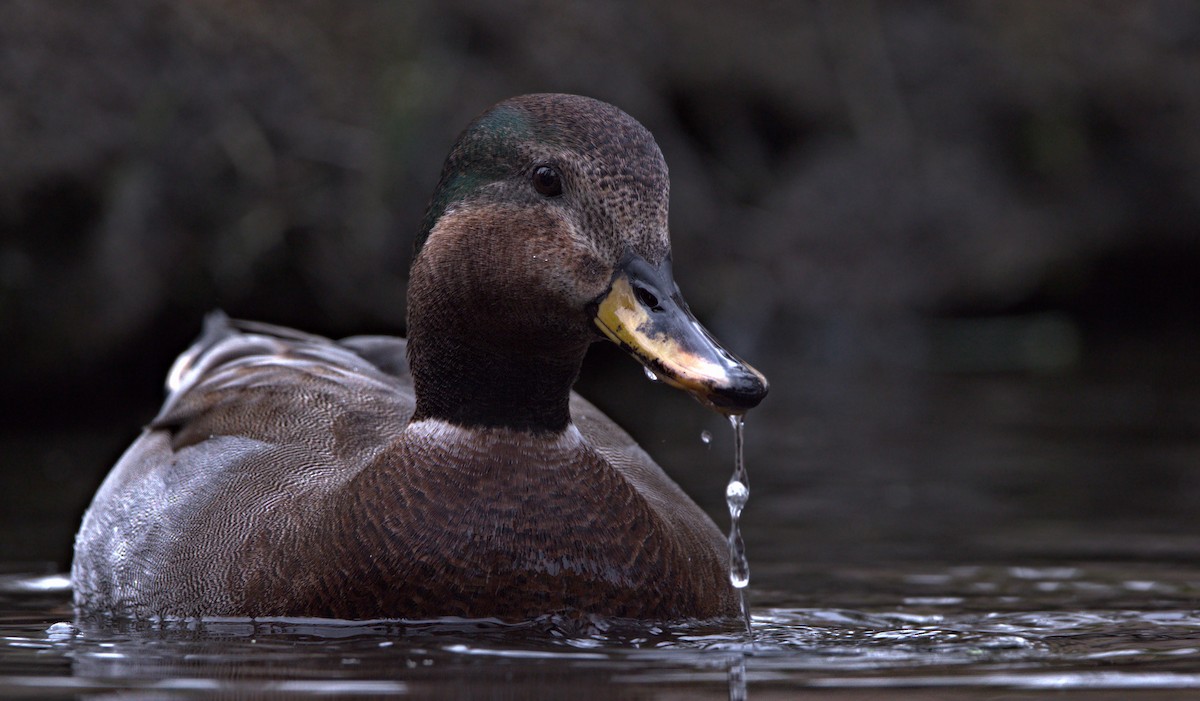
[{"x": 926, "y": 627}]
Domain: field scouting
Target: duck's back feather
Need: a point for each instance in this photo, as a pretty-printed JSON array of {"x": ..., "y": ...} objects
[{"x": 261, "y": 423}]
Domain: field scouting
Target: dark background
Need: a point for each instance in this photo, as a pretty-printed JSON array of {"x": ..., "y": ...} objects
[{"x": 961, "y": 238}]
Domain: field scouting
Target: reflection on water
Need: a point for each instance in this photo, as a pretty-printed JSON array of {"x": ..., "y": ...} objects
[{"x": 1088, "y": 626}]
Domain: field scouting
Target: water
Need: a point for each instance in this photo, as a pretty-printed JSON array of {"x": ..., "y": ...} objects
[
  {"x": 737, "y": 493},
  {"x": 913, "y": 630}
]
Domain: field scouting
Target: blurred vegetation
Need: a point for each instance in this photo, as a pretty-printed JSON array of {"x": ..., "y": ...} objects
[{"x": 978, "y": 187}]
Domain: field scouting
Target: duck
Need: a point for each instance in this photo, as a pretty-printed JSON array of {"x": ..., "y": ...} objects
[{"x": 452, "y": 473}]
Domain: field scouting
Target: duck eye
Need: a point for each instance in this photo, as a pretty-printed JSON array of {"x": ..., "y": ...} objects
[{"x": 547, "y": 181}]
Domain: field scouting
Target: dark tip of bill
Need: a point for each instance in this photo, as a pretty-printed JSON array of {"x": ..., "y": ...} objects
[{"x": 743, "y": 392}]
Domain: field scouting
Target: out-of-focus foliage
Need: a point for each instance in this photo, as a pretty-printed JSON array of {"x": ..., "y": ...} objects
[{"x": 831, "y": 158}]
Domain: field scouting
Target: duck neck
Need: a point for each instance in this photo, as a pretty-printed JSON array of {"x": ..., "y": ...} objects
[
  {"x": 470, "y": 384},
  {"x": 487, "y": 346}
]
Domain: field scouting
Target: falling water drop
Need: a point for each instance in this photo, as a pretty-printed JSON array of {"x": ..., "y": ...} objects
[
  {"x": 737, "y": 493},
  {"x": 705, "y": 437},
  {"x": 650, "y": 374}
]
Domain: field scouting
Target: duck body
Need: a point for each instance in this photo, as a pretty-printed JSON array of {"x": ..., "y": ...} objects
[{"x": 455, "y": 473}]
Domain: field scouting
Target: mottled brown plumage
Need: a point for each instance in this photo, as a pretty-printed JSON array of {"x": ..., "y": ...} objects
[{"x": 455, "y": 474}]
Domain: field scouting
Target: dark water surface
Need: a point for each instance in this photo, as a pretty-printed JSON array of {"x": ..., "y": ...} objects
[{"x": 917, "y": 631}]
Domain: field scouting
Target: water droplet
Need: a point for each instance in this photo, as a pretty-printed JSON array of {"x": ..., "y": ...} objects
[
  {"x": 736, "y": 496},
  {"x": 705, "y": 437},
  {"x": 650, "y": 374},
  {"x": 739, "y": 567},
  {"x": 737, "y": 493}
]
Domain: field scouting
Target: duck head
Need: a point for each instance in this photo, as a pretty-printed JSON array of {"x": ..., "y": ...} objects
[{"x": 547, "y": 231}]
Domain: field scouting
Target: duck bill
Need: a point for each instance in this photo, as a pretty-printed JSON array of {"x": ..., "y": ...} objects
[{"x": 644, "y": 313}]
